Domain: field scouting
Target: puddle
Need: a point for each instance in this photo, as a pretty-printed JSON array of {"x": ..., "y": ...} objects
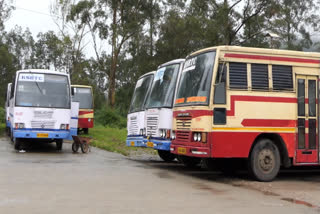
[{"x": 300, "y": 202}]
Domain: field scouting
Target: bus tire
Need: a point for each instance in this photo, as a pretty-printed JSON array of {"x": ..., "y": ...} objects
[
  {"x": 264, "y": 161},
  {"x": 17, "y": 143},
  {"x": 166, "y": 155},
  {"x": 59, "y": 144},
  {"x": 190, "y": 162}
]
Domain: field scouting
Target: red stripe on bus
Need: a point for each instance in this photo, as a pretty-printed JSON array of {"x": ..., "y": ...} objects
[
  {"x": 268, "y": 123},
  {"x": 193, "y": 113},
  {"x": 233, "y": 99},
  {"x": 272, "y": 58}
]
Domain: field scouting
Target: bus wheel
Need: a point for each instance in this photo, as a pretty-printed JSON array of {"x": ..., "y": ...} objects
[
  {"x": 59, "y": 144},
  {"x": 166, "y": 155},
  {"x": 85, "y": 131},
  {"x": 264, "y": 160},
  {"x": 16, "y": 143},
  {"x": 190, "y": 162}
]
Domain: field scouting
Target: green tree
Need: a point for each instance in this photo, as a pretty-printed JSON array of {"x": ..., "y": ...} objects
[{"x": 294, "y": 21}]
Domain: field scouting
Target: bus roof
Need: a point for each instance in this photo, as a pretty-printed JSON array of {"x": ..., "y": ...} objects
[
  {"x": 175, "y": 61},
  {"x": 42, "y": 71},
  {"x": 81, "y": 86},
  {"x": 264, "y": 51}
]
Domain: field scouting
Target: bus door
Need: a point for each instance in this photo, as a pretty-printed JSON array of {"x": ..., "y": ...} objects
[{"x": 307, "y": 137}]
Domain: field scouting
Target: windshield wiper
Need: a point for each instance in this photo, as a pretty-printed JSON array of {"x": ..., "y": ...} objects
[{"x": 37, "y": 84}]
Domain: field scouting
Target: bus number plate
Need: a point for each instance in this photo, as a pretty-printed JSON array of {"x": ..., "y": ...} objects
[
  {"x": 149, "y": 144},
  {"x": 182, "y": 150},
  {"x": 42, "y": 135}
]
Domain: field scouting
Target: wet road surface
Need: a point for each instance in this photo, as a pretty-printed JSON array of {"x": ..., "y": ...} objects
[{"x": 45, "y": 181}]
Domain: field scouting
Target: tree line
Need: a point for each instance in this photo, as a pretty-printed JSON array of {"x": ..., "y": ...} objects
[{"x": 132, "y": 37}]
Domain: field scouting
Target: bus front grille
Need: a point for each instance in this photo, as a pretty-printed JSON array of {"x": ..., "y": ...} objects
[
  {"x": 43, "y": 124},
  {"x": 133, "y": 127},
  {"x": 152, "y": 125},
  {"x": 183, "y": 123},
  {"x": 182, "y": 136}
]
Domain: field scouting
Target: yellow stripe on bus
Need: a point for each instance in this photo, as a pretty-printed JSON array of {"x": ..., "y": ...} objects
[
  {"x": 256, "y": 129},
  {"x": 89, "y": 115}
]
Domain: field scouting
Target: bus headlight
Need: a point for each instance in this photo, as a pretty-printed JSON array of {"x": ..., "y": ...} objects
[
  {"x": 64, "y": 126},
  {"x": 173, "y": 135},
  {"x": 195, "y": 136},
  {"x": 199, "y": 137},
  {"x": 19, "y": 125}
]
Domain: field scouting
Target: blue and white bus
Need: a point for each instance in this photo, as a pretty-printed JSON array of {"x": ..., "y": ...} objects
[
  {"x": 159, "y": 106},
  {"x": 40, "y": 107},
  {"x": 136, "y": 116}
]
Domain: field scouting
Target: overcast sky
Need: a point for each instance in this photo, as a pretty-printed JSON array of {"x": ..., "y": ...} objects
[{"x": 32, "y": 14}]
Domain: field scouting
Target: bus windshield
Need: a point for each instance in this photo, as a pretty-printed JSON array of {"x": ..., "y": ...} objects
[
  {"x": 140, "y": 93},
  {"x": 84, "y": 97},
  {"x": 194, "y": 87},
  {"x": 163, "y": 87},
  {"x": 42, "y": 90}
]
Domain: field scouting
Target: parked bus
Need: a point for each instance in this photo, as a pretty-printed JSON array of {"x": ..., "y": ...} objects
[
  {"x": 40, "y": 107},
  {"x": 135, "y": 119},
  {"x": 84, "y": 95},
  {"x": 7, "y": 105},
  {"x": 257, "y": 105},
  {"x": 158, "y": 118}
]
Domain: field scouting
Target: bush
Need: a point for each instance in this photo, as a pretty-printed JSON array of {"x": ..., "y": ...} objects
[
  {"x": 2, "y": 115},
  {"x": 111, "y": 118}
]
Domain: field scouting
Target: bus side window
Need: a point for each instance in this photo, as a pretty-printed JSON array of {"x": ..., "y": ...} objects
[
  {"x": 220, "y": 85},
  {"x": 12, "y": 87}
]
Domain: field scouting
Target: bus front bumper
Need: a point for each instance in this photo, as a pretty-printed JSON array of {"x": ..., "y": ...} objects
[
  {"x": 202, "y": 152},
  {"x": 41, "y": 134},
  {"x": 158, "y": 144},
  {"x": 135, "y": 141}
]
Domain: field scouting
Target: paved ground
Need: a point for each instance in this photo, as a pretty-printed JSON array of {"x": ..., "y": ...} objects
[{"x": 45, "y": 181}]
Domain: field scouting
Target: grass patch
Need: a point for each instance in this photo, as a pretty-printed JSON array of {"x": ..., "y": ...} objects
[
  {"x": 2, "y": 129},
  {"x": 113, "y": 140}
]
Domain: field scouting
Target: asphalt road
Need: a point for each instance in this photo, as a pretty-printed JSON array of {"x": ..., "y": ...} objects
[{"x": 43, "y": 180}]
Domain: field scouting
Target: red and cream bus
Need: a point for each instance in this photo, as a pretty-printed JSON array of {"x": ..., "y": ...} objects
[
  {"x": 257, "y": 105},
  {"x": 84, "y": 95}
]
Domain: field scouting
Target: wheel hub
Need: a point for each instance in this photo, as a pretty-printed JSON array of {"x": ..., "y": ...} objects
[{"x": 266, "y": 160}]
